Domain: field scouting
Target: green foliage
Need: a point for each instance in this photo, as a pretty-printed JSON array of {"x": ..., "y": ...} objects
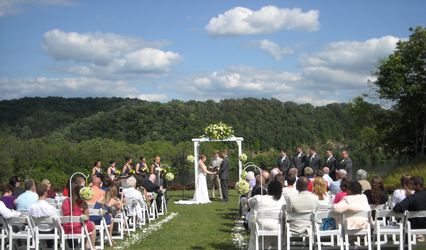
[
  {"x": 417, "y": 168},
  {"x": 401, "y": 79}
]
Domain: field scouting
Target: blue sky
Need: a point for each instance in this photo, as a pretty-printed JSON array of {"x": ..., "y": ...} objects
[{"x": 314, "y": 52}]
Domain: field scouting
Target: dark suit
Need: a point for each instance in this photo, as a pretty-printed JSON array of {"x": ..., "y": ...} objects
[
  {"x": 284, "y": 164},
  {"x": 346, "y": 164},
  {"x": 299, "y": 162},
  {"x": 332, "y": 165},
  {"x": 223, "y": 176},
  {"x": 314, "y": 162}
]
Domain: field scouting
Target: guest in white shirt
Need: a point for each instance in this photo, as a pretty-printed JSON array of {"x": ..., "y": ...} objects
[
  {"x": 131, "y": 194},
  {"x": 41, "y": 208},
  {"x": 6, "y": 212},
  {"x": 259, "y": 203},
  {"x": 28, "y": 198},
  {"x": 405, "y": 190},
  {"x": 326, "y": 176},
  {"x": 335, "y": 185},
  {"x": 290, "y": 190}
]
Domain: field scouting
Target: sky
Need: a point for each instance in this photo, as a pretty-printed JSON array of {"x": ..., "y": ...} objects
[{"x": 316, "y": 52}]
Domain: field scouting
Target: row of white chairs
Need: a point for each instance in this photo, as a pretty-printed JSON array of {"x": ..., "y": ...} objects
[
  {"x": 385, "y": 223},
  {"x": 26, "y": 227}
]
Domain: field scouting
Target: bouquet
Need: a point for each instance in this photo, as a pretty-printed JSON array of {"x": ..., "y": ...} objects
[
  {"x": 242, "y": 187},
  {"x": 132, "y": 172},
  {"x": 190, "y": 158},
  {"x": 86, "y": 193},
  {"x": 170, "y": 176},
  {"x": 218, "y": 131},
  {"x": 117, "y": 172},
  {"x": 243, "y": 157}
]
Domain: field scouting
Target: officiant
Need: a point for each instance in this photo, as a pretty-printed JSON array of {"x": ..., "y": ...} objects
[{"x": 214, "y": 179}]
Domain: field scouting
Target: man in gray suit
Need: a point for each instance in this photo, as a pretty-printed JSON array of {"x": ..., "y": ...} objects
[
  {"x": 283, "y": 162},
  {"x": 224, "y": 175},
  {"x": 299, "y": 160},
  {"x": 314, "y": 160},
  {"x": 303, "y": 203},
  {"x": 346, "y": 163}
]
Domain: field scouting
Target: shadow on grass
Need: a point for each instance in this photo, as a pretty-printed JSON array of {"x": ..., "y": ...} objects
[
  {"x": 198, "y": 247},
  {"x": 222, "y": 245}
]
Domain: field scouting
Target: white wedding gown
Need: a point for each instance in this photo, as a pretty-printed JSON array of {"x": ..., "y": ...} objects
[{"x": 201, "y": 195}]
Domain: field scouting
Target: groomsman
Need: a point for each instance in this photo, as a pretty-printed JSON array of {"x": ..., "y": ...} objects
[
  {"x": 283, "y": 162},
  {"x": 314, "y": 160},
  {"x": 346, "y": 163},
  {"x": 331, "y": 163},
  {"x": 299, "y": 160}
]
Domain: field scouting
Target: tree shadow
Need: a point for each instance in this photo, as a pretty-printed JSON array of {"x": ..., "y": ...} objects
[
  {"x": 197, "y": 247},
  {"x": 222, "y": 245}
]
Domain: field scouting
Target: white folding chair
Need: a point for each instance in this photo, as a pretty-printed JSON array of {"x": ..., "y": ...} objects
[
  {"x": 25, "y": 230},
  {"x": 102, "y": 228},
  {"x": 411, "y": 233},
  {"x": 386, "y": 224},
  {"x": 296, "y": 218},
  {"x": 49, "y": 221},
  {"x": 366, "y": 232},
  {"x": 122, "y": 225},
  {"x": 317, "y": 219},
  {"x": 163, "y": 210},
  {"x": 268, "y": 217},
  {"x": 3, "y": 232},
  {"x": 82, "y": 236}
]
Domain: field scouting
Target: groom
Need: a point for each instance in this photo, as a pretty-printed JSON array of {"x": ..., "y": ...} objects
[{"x": 224, "y": 174}]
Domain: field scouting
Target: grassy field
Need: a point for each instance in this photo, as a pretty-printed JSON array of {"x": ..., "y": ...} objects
[
  {"x": 206, "y": 226},
  {"x": 416, "y": 168}
]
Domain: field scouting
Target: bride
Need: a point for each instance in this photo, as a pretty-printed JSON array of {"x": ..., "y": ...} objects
[{"x": 201, "y": 194}]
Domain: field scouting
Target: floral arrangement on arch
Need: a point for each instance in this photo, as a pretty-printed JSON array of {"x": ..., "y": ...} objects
[{"x": 218, "y": 131}]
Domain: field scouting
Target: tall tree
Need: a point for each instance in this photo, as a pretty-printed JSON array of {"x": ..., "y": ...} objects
[{"x": 401, "y": 78}]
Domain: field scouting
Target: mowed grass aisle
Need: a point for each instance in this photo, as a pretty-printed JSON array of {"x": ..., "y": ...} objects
[{"x": 207, "y": 226}]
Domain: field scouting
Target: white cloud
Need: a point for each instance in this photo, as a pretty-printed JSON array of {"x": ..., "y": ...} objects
[
  {"x": 107, "y": 53},
  {"x": 273, "y": 49},
  {"x": 268, "y": 19},
  {"x": 346, "y": 64},
  {"x": 71, "y": 87},
  {"x": 13, "y": 7}
]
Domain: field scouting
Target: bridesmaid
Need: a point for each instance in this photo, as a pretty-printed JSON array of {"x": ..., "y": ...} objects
[
  {"x": 97, "y": 169},
  {"x": 155, "y": 169},
  {"x": 128, "y": 166}
]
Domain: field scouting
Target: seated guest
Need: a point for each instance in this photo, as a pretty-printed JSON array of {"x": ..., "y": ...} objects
[
  {"x": 354, "y": 201},
  {"x": 43, "y": 209},
  {"x": 8, "y": 198},
  {"x": 309, "y": 173},
  {"x": 293, "y": 171},
  {"x": 28, "y": 198},
  {"x": 414, "y": 202},
  {"x": 281, "y": 179},
  {"x": 50, "y": 193},
  {"x": 304, "y": 202},
  {"x": 274, "y": 172},
  {"x": 6, "y": 212},
  {"x": 361, "y": 177},
  {"x": 109, "y": 204},
  {"x": 259, "y": 188},
  {"x": 272, "y": 201},
  {"x": 344, "y": 186},
  {"x": 15, "y": 182},
  {"x": 77, "y": 180},
  {"x": 251, "y": 179},
  {"x": 377, "y": 194},
  {"x": 326, "y": 176},
  {"x": 266, "y": 176},
  {"x": 404, "y": 190},
  {"x": 99, "y": 193},
  {"x": 151, "y": 187},
  {"x": 290, "y": 189},
  {"x": 335, "y": 185},
  {"x": 319, "y": 188},
  {"x": 131, "y": 194},
  {"x": 79, "y": 208}
]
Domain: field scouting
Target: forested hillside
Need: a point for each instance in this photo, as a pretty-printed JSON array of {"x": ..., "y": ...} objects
[{"x": 64, "y": 135}]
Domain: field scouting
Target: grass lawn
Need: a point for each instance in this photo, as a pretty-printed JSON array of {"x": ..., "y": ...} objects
[{"x": 207, "y": 226}]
